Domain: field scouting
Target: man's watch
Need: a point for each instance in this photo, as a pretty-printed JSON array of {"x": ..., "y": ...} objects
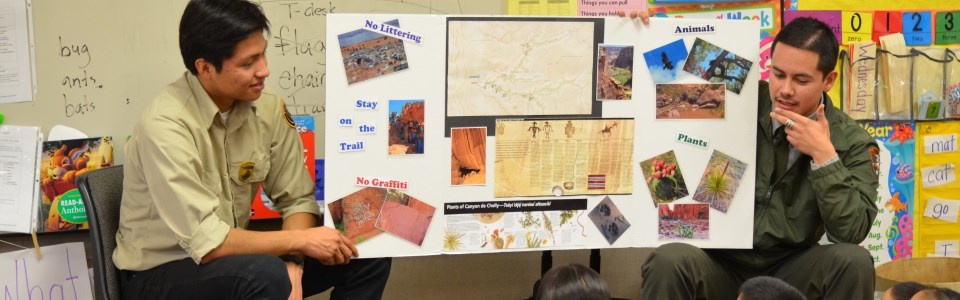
[{"x": 292, "y": 258}]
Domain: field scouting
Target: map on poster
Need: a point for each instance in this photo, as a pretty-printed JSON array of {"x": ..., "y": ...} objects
[{"x": 519, "y": 67}]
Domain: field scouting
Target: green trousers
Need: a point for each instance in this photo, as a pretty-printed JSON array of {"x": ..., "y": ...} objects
[{"x": 681, "y": 271}]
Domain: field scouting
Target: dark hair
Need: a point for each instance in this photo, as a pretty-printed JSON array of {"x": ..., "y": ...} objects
[
  {"x": 812, "y": 35},
  {"x": 574, "y": 281},
  {"x": 211, "y": 29},
  {"x": 766, "y": 287},
  {"x": 905, "y": 290},
  {"x": 943, "y": 293}
]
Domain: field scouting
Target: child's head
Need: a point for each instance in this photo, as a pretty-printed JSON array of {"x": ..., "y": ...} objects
[
  {"x": 574, "y": 281},
  {"x": 768, "y": 288},
  {"x": 934, "y": 293},
  {"x": 903, "y": 291}
]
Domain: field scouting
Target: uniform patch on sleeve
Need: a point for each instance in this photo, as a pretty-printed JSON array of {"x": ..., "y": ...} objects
[
  {"x": 875, "y": 159},
  {"x": 286, "y": 115}
]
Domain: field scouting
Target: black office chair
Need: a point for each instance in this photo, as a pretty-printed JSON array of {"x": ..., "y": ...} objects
[{"x": 101, "y": 191}]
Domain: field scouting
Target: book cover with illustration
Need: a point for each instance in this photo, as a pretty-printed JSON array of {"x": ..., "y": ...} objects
[
  {"x": 61, "y": 208},
  {"x": 263, "y": 207}
]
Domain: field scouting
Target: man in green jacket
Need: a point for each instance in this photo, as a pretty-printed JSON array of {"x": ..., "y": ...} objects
[{"x": 814, "y": 175}]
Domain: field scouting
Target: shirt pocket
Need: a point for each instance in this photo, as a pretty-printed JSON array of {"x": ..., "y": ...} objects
[
  {"x": 250, "y": 171},
  {"x": 211, "y": 180}
]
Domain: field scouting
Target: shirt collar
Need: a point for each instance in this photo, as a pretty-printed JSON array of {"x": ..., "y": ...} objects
[{"x": 209, "y": 110}]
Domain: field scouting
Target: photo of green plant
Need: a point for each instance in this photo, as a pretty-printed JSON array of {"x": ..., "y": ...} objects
[{"x": 720, "y": 181}]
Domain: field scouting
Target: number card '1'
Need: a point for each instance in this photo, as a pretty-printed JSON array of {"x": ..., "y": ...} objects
[{"x": 886, "y": 22}]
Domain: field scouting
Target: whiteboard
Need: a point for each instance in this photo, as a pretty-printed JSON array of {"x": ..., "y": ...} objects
[{"x": 99, "y": 63}]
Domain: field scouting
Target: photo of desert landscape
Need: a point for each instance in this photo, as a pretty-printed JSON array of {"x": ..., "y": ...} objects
[
  {"x": 684, "y": 222},
  {"x": 614, "y": 72},
  {"x": 406, "y": 127},
  {"x": 405, "y": 217},
  {"x": 691, "y": 101},
  {"x": 355, "y": 215},
  {"x": 367, "y": 54},
  {"x": 468, "y": 158}
]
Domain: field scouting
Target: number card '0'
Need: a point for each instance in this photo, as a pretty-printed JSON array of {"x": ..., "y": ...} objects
[{"x": 856, "y": 26}]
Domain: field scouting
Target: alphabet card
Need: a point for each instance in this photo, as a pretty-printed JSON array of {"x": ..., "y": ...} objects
[{"x": 946, "y": 249}]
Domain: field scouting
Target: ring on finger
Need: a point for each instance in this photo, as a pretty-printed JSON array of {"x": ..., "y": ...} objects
[{"x": 789, "y": 123}]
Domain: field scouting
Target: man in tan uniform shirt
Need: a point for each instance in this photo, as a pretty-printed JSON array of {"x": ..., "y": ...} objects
[{"x": 194, "y": 162}]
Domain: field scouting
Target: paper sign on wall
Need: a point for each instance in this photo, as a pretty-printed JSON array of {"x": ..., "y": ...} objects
[
  {"x": 917, "y": 28},
  {"x": 942, "y": 143},
  {"x": 61, "y": 274},
  {"x": 542, "y": 7},
  {"x": 941, "y": 209},
  {"x": 829, "y": 17},
  {"x": 946, "y": 30},
  {"x": 946, "y": 248},
  {"x": 886, "y": 22},
  {"x": 938, "y": 175},
  {"x": 601, "y": 8},
  {"x": 856, "y": 26}
]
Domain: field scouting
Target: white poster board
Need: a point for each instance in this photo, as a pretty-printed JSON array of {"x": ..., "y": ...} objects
[
  {"x": 61, "y": 274},
  {"x": 459, "y": 96}
]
